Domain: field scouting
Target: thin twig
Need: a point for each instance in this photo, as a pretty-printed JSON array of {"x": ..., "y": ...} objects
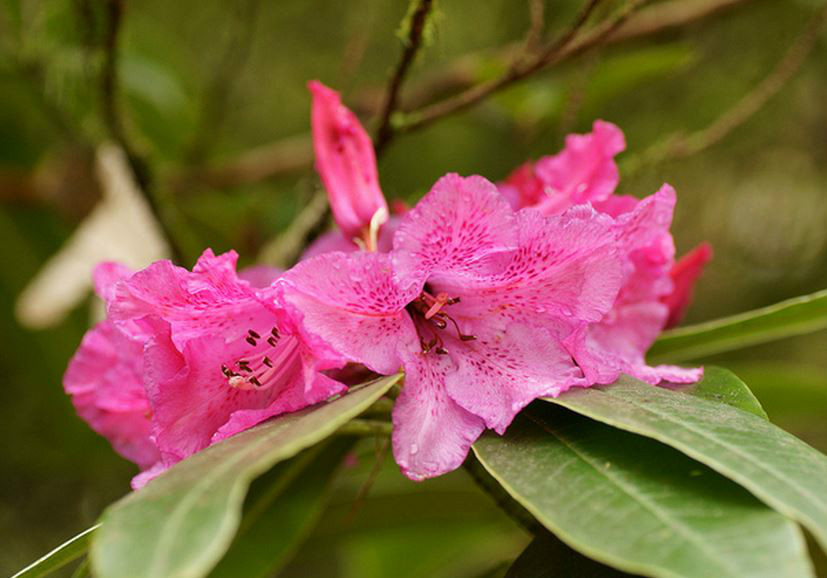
[
  {"x": 295, "y": 153},
  {"x": 112, "y": 120},
  {"x": 678, "y": 145},
  {"x": 412, "y": 45},
  {"x": 570, "y": 44}
]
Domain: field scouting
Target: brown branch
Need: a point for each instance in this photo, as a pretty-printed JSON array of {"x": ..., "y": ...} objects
[
  {"x": 111, "y": 112},
  {"x": 294, "y": 153},
  {"x": 412, "y": 45},
  {"x": 678, "y": 145},
  {"x": 566, "y": 47}
]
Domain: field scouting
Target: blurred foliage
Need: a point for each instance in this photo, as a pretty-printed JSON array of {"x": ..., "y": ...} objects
[{"x": 203, "y": 82}]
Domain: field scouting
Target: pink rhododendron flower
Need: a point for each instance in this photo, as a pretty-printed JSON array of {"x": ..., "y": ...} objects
[
  {"x": 684, "y": 274},
  {"x": 105, "y": 380},
  {"x": 618, "y": 342},
  {"x": 346, "y": 161},
  {"x": 585, "y": 171},
  {"x": 475, "y": 302},
  {"x": 200, "y": 355}
]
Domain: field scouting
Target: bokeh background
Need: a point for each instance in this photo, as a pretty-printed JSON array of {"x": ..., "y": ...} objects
[{"x": 203, "y": 83}]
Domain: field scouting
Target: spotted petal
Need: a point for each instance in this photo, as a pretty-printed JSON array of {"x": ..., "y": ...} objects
[
  {"x": 351, "y": 306},
  {"x": 431, "y": 432},
  {"x": 463, "y": 225}
]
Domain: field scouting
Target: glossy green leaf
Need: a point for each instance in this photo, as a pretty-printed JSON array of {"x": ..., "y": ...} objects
[
  {"x": 70, "y": 550},
  {"x": 637, "y": 505},
  {"x": 181, "y": 524},
  {"x": 777, "y": 467},
  {"x": 792, "y": 317},
  {"x": 722, "y": 386},
  {"x": 282, "y": 508}
]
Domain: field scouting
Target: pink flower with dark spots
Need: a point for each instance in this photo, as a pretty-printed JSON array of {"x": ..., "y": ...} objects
[
  {"x": 105, "y": 380},
  {"x": 346, "y": 161},
  {"x": 618, "y": 342},
  {"x": 684, "y": 274},
  {"x": 474, "y": 302},
  {"x": 650, "y": 298},
  {"x": 207, "y": 355},
  {"x": 584, "y": 171}
]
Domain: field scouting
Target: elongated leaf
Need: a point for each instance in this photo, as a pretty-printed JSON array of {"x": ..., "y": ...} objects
[
  {"x": 282, "y": 508},
  {"x": 786, "y": 319},
  {"x": 70, "y": 550},
  {"x": 777, "y": 467},
  {"x": 638, "y": 505},
  {"x": 181, "y": 523},
  {"x": 722, "y": 386}
]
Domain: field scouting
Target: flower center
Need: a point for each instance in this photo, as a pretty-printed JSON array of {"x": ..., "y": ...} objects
[
  {"x": 265, "y": 364},
  {"x": 430, "y": 319}
]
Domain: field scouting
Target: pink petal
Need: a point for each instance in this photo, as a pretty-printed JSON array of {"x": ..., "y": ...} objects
[
  {"x": 460, "y": 227},
  {"x": 684, "y": 274},
  {"x": 566, "y": 266},
  {"x": 104, "y": 380},
  {"x": 522, "y": 188},
  {"x": 210, "y": 299},
  {"x": 346, "y": 162},
  {"x": 431, "y": 433},
  {"x": 351, "y": 305},
  {"x": 507, "y": 367},
  {"x": 584, "y": 171},
  {"x": 194, "y": 403}
]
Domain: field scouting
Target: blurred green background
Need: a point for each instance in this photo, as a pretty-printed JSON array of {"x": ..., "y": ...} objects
[{"x": 204, "y": 82}]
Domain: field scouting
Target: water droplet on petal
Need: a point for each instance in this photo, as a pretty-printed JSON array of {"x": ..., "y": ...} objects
[{"x": 414, "y": 448}]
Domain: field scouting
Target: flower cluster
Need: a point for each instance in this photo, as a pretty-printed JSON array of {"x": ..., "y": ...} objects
[{"x": 486, "y": 295}]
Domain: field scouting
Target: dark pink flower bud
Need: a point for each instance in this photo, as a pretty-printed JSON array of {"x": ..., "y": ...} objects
[
  {"x": 684, "y": 273},
  {"x": 346, "y": 161}
]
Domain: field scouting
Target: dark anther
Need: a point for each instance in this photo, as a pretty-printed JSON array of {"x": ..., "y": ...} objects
[
  {"x": 254, "y": 380},
  {"x": 441, "y": 350},
  {"x": 253, "y": 334},
  {"x": 271, "y": 341},
  {"x": 266, "y": 361},
  {"x": 467, "y": 337},
  {"x": 250, "y": 340},
  {"x": 244, "y": 366},
  {"x": 226, "y": 370},
  {"x": 274, "y": 332},
  {"x": 439, "y": 321}
]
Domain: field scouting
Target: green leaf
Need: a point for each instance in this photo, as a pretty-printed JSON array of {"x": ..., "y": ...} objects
[
  {"x": 70, "y": 550},
  {"x": 775, "y": 466},
  {"x": 282, "y": 508},
  {"x": 182, "y": 523},
  {"x": 638, "y": 505},
  {"x": 792, "y": 317},
  {"x": 722, "y": 386}
]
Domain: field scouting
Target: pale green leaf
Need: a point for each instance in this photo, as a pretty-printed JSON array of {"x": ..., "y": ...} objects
[
  {"x": 775, "y": 466},
  {"x": 786, "y": 319},
  {"x": 638, "y": 505}
]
